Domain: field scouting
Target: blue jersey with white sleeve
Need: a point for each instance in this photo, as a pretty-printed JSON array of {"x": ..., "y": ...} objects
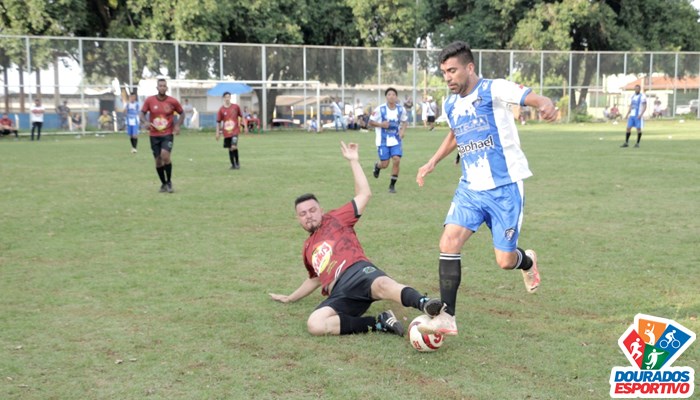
[
  {"x": 132, "y": 113},
  {"x": 486, "y": 135},
  {"x": 396, "y": 116}
]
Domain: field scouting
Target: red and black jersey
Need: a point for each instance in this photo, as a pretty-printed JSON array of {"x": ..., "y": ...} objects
[
  {"x": 334, "y": 246},
  {"x": 161, "y": 114},
  {"x": 229, "y": 116}
]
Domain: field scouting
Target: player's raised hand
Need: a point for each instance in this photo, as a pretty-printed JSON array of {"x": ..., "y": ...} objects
[{"x": 350, "y": 151}]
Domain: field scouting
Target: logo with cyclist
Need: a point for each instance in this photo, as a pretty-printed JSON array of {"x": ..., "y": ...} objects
[{"x": 652, "y": 344}]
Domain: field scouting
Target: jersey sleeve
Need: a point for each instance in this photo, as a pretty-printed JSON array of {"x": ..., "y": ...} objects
[
  {"x": 509, "y": 92},
  {"x": 376, "y": 115},
  {"x": 220, "y": 115},
  {"x": 404, "y": 115},
  {"x": 347, "y": 214},
  {"x": 177, "y": 106},
  {"x": 146, "y": 105}
]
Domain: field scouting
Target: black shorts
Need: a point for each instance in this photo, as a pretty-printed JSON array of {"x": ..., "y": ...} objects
[
  {"x": 431, "y": 118},
  {"x": 352, "y": 293},
  {"x": 159, "y": 143},
  {"x": 230, "y": 141}
]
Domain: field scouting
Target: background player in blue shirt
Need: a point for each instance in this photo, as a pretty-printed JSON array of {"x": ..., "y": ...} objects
[
  {"x": 131, "y": 110},
  {"x": 483, "y": 129},
  {"x": 638, "y": 104}
]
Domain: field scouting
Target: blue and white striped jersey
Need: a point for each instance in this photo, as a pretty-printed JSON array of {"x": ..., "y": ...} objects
[{"x": 486, "y": 134}]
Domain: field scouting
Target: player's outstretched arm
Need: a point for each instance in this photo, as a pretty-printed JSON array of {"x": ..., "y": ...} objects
[
  {"x": 447, "y": 146},
  {"x": 362, "y": 191},
  {"x": 544, "y": 106},
  {"x": 306, "y": 288}
]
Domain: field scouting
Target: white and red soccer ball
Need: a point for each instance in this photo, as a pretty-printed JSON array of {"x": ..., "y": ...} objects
[{"x": 422, "y": 342}]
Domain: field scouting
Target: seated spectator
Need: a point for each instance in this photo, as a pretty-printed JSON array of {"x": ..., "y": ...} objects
[
  {"x": 105, "y": 121},
  {"x": 658, "y": 111},
  {"x": 614, "y": 113},
  {"x": 77, "y": 120},
  {"x": 6, "y": 126},
  {"x": 313, "y": 126}
]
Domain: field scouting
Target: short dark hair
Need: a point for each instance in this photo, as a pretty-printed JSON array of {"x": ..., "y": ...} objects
[
  {"x": 161, "y": 80},
  {"x": 457, "y": 49},
  {"x": 303, "y": 198},
  {"x": 223, "y": 95},
  {"x": 390, "y": 89}
]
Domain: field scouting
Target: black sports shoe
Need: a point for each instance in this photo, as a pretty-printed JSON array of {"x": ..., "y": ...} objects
[
  {"x": 163, "y": 188},
  {"x": 625, "y": 145},
  {"x": 431, "y": 307},
  {"x": 376, "y": 171},
  {"x": 387, "y": 322},
  {"x": 392, "y": 190},
  {"x": 169, "y": 187}
]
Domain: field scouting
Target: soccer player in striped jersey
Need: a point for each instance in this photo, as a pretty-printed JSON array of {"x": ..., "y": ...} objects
[
  {"x": 131, "y": 110},
  {"x": 638, "y": 105},
  {"x": 389, "y": 122},
  {"x": 483, "y": 130}
]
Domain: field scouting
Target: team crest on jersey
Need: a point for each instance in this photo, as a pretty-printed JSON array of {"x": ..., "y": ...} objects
[{"x": 510, "y": 232}]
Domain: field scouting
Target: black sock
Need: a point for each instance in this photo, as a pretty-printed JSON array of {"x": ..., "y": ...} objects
[
  {"x": 393, "y": 180},
  {"x": 450, "y": 278},
  {"x": 168, "y": 171},
  {"x": 627, "y": 137},
  {"x": 161, "y": 174},
  {"x": 411, "y": 298},
  {"x": 350, "y": 325},
  {"x": 639, "y": 136},
  {"x": 235, "y": 156},
  {"x": 232, "y": 158},
  {"x": 524, "y": 262},
  {"x": 134, "y": 142}
]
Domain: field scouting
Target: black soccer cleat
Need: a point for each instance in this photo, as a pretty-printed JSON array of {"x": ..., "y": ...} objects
[
  {"x": 376, "y": 171},
  {"x": 387, "y": 322},
  {"x": 169, "y": 187},
  {"x": 431, "y": 307},
  {"x": 163, "y": 188}
]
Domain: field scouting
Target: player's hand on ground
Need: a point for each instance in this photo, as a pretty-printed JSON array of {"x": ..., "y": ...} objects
[
  {"x": 350, "y": 151},
  {"x": 423, "y": 171},
  {"x": 279, "y": 297}
]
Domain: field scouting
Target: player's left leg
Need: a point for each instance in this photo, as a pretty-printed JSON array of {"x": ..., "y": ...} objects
[
  {"x": 385, "y": 288},
  {"x": 395, "y": 167},
  {"x": 505, "y": 212}
]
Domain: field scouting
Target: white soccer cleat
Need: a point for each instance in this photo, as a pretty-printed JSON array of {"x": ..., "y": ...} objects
[
  {"x": 531, "y": 277},
  {"x": 443, "y": 324}
]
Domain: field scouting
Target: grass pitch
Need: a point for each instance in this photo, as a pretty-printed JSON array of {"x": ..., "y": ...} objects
[{"x": 113, "y": 290}]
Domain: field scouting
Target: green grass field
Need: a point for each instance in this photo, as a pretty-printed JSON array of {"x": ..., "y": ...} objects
[{"x": 111, "y": 290}]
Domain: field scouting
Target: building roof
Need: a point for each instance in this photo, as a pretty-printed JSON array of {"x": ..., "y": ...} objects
[{"x": 664, "y": 82}]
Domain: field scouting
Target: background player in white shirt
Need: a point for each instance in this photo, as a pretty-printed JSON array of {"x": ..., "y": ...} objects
[
  {"x": 483, "y": 129},
  {"x": 389, "y": 122}
]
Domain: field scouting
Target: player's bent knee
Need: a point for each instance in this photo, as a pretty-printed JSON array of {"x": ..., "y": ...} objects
[{"x": 316, "y": 326}]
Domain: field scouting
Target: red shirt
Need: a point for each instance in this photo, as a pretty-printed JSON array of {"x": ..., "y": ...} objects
[
  {"x": 334, "y": 246},
  {"x": 229, "y": 115},
  {"x": 6, "y": 122},
  {"x": 162, "y": 113}
]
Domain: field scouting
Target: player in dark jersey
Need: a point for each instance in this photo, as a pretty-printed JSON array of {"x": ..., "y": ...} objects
[
  {"x": 229, "y": 119},
  {"x": 335, "y": 261},
  {"x": 161, "y": 109}
]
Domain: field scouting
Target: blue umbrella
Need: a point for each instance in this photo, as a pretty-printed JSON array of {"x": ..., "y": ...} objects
[{"x": 231, "y": 87}]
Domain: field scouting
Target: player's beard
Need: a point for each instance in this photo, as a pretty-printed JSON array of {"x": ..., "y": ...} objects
[{"x": 311, "y": 226}]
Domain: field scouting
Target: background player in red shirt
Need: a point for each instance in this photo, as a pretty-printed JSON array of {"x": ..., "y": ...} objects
[
  {"x": 161, "y": 109},
  {"x": 335, "y": 260},
  {"x": 229, "y": 120}
]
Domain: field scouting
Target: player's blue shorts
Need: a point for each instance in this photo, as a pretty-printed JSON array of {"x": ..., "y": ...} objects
[
  {"x": 386, "y": 152},
  {"x": 500, "y": 208},
  {"x": 132, "y": 130},
  {"x": 635, "y": 122}
]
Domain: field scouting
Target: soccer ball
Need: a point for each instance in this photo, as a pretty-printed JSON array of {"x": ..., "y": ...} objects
[{"x": 421, "y": 342}]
